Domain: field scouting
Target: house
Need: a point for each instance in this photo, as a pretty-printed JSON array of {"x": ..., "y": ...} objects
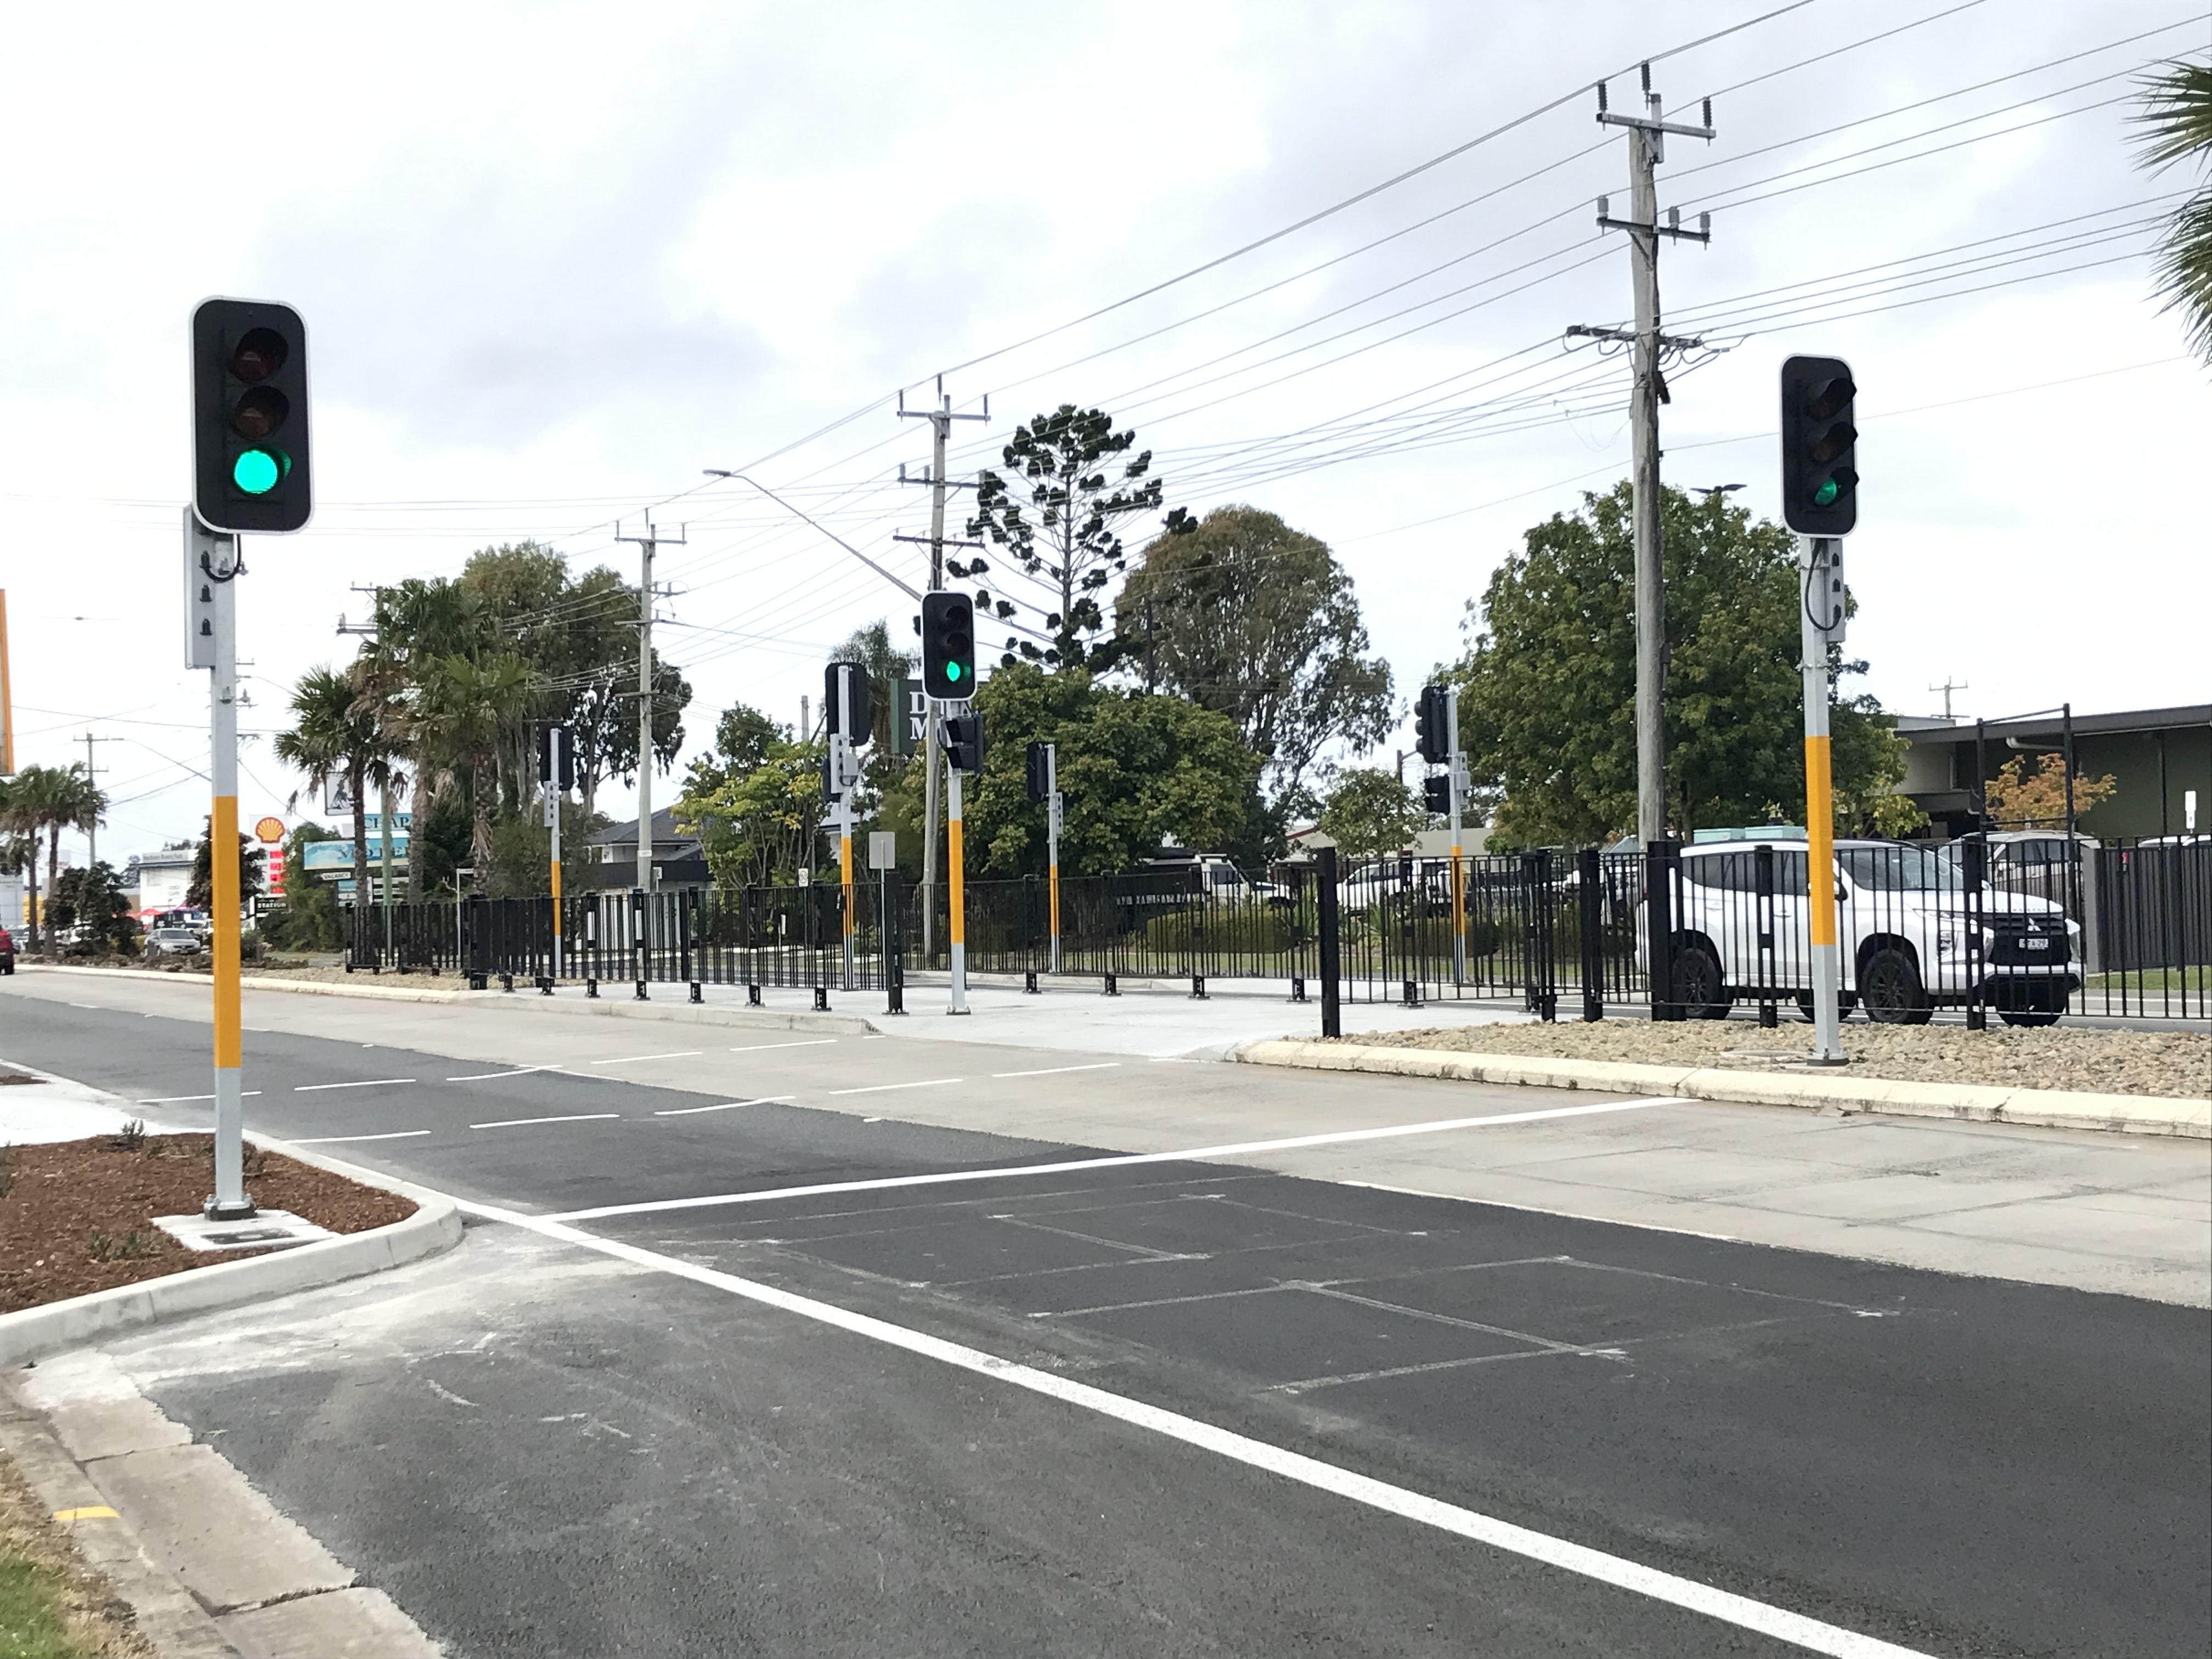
[
  {"x": 2160, "y": 759},
  {"x": 678, "y": 861}
]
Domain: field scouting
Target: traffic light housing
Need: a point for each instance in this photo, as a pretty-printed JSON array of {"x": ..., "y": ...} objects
[
  {"x": 948, "y": 646},
  {"x": 1040, "y": 772},
  {"x": 848, "y": 701},
  {"x": 964, "y": 741},
  {"x": 1819, "y": 470},
  {"x": 1432, "y": 723},
  {"x": 252, "y": 461},
  {"x": 1436, "y": 794},
  {"x": 552, "y": 739}
]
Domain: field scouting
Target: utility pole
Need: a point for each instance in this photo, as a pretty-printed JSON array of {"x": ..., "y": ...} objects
[
  {"x": 91, "y": 772},
  {"x": 941, "y": 421},
  {"x": 1949, "y": 686},
  {"x": 646, "y": 545},
  {"x": 1646, "y": 150}
]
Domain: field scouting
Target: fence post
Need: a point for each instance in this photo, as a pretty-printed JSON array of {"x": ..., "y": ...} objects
[
  {"x": 1659, "y": 865},
  {"x": 1543, "y": 992},
  {"x": 1590, "y": 866},
  {"x": 640, "y": 967},
  {"x": 476, "y": 948},
  {"x": 1762, "y": 871},
  {"x": 1332, "y": 1020},
  {"x": 894, "y": 944},
  {"x": 1973, "y": 866}
]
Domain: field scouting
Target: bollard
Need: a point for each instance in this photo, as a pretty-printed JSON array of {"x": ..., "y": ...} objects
[
  {"x": 1029, "y": 984},
  {"x": 506, "y": 983},
  {"x": 641, "y": 996},
  {"x": 695, "y": 996},
  {"x": 1298, "y": 989},
  {"x": 1197, "y": 987},
  {"x": 821, "y": 999},
  {"x": 479, "y": 982},
  {"x": 592, "y": 989},
  {"x": 1412, "y": 993},
  {"x": 752, "y": 996},
  {"x": 545, "y": 987},
  {"x": 1112, "y": 984}
]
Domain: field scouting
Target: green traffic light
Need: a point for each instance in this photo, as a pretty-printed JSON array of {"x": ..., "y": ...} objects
[
  {"x": 952, "y": 670},
  {"x": 256, "y": 471},
  {"x": 1826, "y": 494}
]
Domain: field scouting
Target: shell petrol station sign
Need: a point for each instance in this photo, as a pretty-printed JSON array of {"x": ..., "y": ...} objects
[{"x": 270, "y": 832}]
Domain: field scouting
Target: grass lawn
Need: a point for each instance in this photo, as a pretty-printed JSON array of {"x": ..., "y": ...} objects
[{"x": 50, "y": 1606}]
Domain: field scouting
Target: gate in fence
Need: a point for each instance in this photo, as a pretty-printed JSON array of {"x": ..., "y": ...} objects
[{"x": 1989, "y": 925}]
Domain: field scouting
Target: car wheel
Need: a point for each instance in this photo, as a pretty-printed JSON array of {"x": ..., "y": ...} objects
[
  {"x": 1890, "y": 987},
  {"x": 2027, "y": 1005},
  {"x": 1698, "y": 983},
  {"x": 1846, "y": 1002}
]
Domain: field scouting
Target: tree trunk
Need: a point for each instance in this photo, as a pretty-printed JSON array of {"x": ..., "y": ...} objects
[
  {"x": 354, "y": 771},
  {"x": 417, "y": 799},
  {"x": 480, "y": 789},
  {"x": 31, "y": 911},
  {"x": 53, "y": 870}
]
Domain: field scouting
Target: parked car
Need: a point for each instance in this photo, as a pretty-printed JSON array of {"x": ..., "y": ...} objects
[
  {"x": 1901, "y": 922},
  {"x": 7, "y": 951},
  {"x": 168, "y": 940}
]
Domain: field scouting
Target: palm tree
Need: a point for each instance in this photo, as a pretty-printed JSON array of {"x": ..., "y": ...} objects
[
  {"x": 336, "y": 733},
  {"x": 2177, "y": 119},
  {"x": 46, "y": 800},
  {"x": 418, "y": 624},
  {"x": 78, "y": 803},
  {"x": 472, "y": 705},
  {"x": 886, "y": 664}
]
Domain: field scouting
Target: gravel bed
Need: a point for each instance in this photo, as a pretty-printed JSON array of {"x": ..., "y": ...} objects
[{"x": 2171, "y": 1063}]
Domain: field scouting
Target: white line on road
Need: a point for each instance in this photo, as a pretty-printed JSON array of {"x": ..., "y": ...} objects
[
  {"x": 804, "y": 1042},
  {"x": 632, "y": 1060},
  {"x": 1195, "y": 1154},
  {"x": 878, "y": 1088},
  {"x": 517, "y": 1122},
  {"x": 178, "y": 1100},
  {"x": 727, "y": 1105},
  {"x": 1054, "y": 1071},
  {"x": 521, "y": 1071},
  {"x": 339, "y": 1140},
  {"x": 94, "y": 1005},
  {"x": 365, "y": 1082},
  {"x": 1762, "y": 1618}
]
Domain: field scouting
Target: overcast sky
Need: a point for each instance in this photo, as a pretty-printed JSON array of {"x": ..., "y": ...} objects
[{"x": 556, "y": 260}]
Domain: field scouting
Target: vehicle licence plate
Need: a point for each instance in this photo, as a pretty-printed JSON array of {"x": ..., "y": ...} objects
[{"x": 2038, "y": 944}]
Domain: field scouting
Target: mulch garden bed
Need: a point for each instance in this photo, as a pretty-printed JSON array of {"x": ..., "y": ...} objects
[{"x": 77, "y": 1216}]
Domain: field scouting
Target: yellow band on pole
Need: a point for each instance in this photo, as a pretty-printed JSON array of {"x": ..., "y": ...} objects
[
  {"x": 956, "y": 888},
  {"x": 845, "y": 876},
  {"x": 223, "y": 863},
  {"x": 555, "y": 866},
  {"x": 1052, "y": 895},
  {"x": 1458, "y": 892},
  {"x": 1819, "y": 841}
]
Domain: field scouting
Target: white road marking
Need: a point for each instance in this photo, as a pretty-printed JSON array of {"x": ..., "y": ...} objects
[
  {"x": 365, "y": 1082},
  {"x": 632, "y": 1060},
  {"x": 727, "y": 1105},
  {"x": 338, "y": 1140},
  {"x": 1762, "y": 1618},
  {"x": 93, "y": 1006},
  {"x": 178, "y": 1100},
  {"x": 1194, "y": 1154},
  {"x": 521, "y": 1071},
  {"x": 1054, "y": 1071},
  {"x": 804, "y": 1042},
  {"x": 878, "y": 1088},
  {"x": 517, "y": 1122}
]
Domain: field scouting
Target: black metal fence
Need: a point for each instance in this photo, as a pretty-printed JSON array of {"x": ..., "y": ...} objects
[{"x": 2030, "y": 928}]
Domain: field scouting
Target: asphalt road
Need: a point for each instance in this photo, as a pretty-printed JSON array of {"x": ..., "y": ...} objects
[{"x": 679, "y": 1430}]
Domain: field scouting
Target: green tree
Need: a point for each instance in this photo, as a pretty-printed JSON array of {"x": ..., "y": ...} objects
[
  {"x": 419, "y": 622},
  {"x": 2177, "y": 119},
  {"x": 1056, "y": 511},
  {"x": 743, "y": 736},
  {"x": 199, "y": 893},
  {"x": 306, "y": 917},
  {"x": 1369, "y": 812},
  {"x": 474, "y": 705},
  {"x": 761, "y": 826},
  {"x": 1548, "y": 689},
  {"x": 871, "y": 648},
  {"x": 1256, "y": 621},
  {"x": 346, "y": 725},
  {"x": 1135, "y": 771},
  {"x": 40, "y": 802},
  {"x": 93, "y": 897}
]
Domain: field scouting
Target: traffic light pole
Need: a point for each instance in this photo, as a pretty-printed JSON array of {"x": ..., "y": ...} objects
[
  {"x": 647, "y": 544},
  {"x": 555, "y": 737},
  {"x": 1820, "y": 621},
  {"x": 1051, "y": 847},
  {"x": 845, "y": 875},
  {"x": 223, "y": 568},
  {"x": 956, "y": 931},
  {"x": 1458, "y": 765}
]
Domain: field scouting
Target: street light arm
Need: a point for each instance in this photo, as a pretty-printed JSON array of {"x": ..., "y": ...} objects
[{"x": 911, "y": 593}]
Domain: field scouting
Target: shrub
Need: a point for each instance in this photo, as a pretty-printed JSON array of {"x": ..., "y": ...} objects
[{"x": 1250, "y": 928}]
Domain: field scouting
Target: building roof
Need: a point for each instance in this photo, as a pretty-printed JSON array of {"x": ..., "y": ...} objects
[{"x": 2052, "y": 722}]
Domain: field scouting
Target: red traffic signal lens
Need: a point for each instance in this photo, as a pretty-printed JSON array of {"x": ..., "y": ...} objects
[
  {"x": 259, "y": 412},
  {"x": 1827, "y": 400},
  {"x": 259, "y": 353}
]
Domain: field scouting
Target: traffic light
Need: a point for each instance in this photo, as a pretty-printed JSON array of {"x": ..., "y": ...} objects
[
  {"x": 1040, "y": 771},
  {"x": 1820, "y": 474},
  {"x": 1436, "y": 794},
  {"x": 1432, "y": 723},
  {"x": 848, "y": 701},
  {"x": 556, "y": 756},
  {"x": 948, "y": 646},
  {"x": 251, "y": 468},
  {"x": 963, "y": 740}
]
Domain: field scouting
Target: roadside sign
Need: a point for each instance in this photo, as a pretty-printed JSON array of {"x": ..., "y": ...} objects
[
  {"x": 882, "y": 849},
  {"x": 271, "y": 830}
]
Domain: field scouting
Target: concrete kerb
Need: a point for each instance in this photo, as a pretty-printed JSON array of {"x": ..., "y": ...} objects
[
  {"x": 32, "y": 1334},
  {"x": 2152, "y": 1114}
]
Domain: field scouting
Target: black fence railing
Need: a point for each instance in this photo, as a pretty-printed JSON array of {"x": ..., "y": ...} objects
[{"x": 2029, "y": 928}]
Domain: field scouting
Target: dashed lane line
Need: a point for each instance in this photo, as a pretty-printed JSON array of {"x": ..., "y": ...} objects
[
  {"x": 803, "y": 1042},
  {"x": 1725, "y": 1607},
  {"x": 880, "y": 1087},
  {"x": 1054, "y": 1071},
  {"x": 364, "y": 1083},
  {"x": 725, "y": 1106},
  {"x": 179, "y": 1100},
  {"x": 632, "y": 1060},
  {"x": 520, "y": 1070},
  {"x": 1117, "y": 1160},
  {"x": 340, "y": 1140},
  {"x": 517, "y": 1123}
]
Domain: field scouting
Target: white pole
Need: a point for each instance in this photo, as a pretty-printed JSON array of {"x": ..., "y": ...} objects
[
  {"x": 1820, "y": 606},
  {"x": 956, "y": 932},
  {"x": 1052, "y": 845},
  {"x": 555, "y": 737},
  {"x": 229, "y": 1200},
  {"x": 1458, "y": 771}
]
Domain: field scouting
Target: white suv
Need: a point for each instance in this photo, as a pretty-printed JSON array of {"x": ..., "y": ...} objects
[{"x": 1901, "y": 922}]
